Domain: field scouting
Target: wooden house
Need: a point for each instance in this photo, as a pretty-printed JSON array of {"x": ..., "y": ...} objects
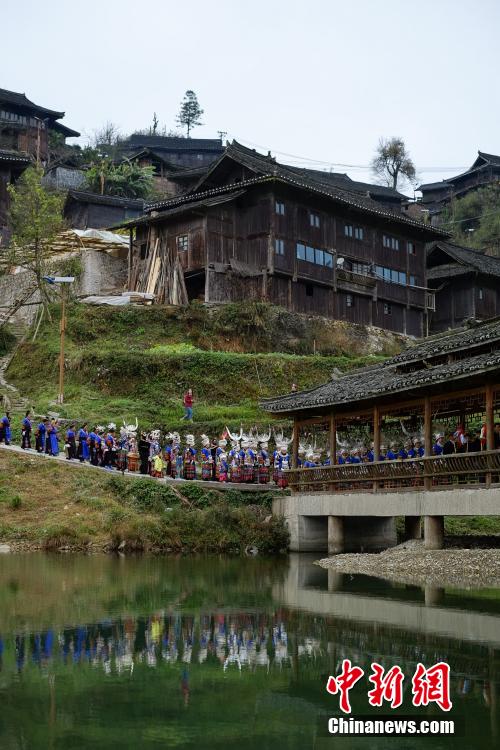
[
  {"x": 252, "y": 228},
  {"x": 84, "y": 210},
  {"x": 24, "y": 138},
  {"x": 466, "y": 284},
  {"x": 484, "y": 171}
]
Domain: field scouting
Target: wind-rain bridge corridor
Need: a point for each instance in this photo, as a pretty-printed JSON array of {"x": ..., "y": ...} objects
[{"x": 448, "y": 384}]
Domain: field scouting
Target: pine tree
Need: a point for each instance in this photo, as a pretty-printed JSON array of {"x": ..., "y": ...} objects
[{"x": 190, "y": 112}]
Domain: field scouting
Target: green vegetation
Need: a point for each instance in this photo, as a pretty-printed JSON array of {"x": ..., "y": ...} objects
[
  {"x": 474, "y": 220},
  {"x": 7, "y": 340},
  {"x": 126, "y": 180},
  {"x": 138, "y": 361},
  {"x": 51, "y": 505}
]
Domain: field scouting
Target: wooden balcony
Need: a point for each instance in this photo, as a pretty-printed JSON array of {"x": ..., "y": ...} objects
[{"x": 434, "y": 473}]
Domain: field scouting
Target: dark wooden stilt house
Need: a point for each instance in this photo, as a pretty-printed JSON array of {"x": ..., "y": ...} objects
[{"x": 255, "y": 229}]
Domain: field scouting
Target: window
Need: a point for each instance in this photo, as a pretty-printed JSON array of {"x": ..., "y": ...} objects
[
  {"x": 348, "y": 230},
  {"x": 480, "y": 294},
  {"x": 280, "y": 208},
  {"x": 358, "y": 233},
  {"x": 390, "y": 274},
  {"x": 314, "y": 220},
  {"x": 390, "y": 242},
  {"x": 309, "y": 290},
  {"x": 349, "y": 300},
  {"x": 182, "y": 242},
  {"x": 387, "y": 308},
  {"x": 314, "y": 255},
  {"x": 279, "y": 246},
  {"x": 361, "y": 268},
  {"x": 310, "y": 255},
  {"x": 411, "y": 248},
  {"x": 413, "y": 281}
]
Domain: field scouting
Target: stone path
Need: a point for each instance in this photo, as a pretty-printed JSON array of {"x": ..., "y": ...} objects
[
  {"x": 10, "y": 397},
  {"x": 222, "y": 486}
]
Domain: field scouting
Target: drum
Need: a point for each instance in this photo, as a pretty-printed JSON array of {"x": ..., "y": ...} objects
[{"x": 133, "y": 461}]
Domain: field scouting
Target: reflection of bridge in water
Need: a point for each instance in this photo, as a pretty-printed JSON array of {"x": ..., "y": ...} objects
[{"x": 324, "y": 592}]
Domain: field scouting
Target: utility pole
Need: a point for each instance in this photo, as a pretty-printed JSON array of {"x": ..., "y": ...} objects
[
  {"x": 62, "y": 328},
  {"x": 64, "y": 280}
]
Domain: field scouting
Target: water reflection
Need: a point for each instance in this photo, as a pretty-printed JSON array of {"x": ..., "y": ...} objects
[{"x": 178, "y": 653}]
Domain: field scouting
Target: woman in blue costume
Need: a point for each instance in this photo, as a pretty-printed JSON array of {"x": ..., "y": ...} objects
[
  {"x": 54, "y": 442},
  {"x": 41, "y": 435},
  {"x": 83, "y": 445},
  {"x": 5, "y": 433}
]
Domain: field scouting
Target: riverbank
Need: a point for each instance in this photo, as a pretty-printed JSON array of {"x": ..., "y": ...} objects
[
  {"x": 412, "y": 564},
  {"x": 50, "y": 505}
]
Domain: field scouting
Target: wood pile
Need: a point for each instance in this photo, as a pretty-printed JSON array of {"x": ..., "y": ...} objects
[{"x": 161, "y": 274}]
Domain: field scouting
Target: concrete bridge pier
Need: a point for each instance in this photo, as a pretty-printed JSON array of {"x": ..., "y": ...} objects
[
  {"x": 433, "y": 532},
  {"x": 335, "y": 535}
]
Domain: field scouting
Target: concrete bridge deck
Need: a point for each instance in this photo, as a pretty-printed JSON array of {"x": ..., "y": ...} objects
[{"x": 363, "y": 521}]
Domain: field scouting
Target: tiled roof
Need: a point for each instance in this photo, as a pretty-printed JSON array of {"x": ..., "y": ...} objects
[
  {"x": 169, "y": 143},
  {"x": 473, "y": 260},
  {"x": 343, "y": 181},
  {"x": 378, "y": 381},
  {"x": 14, "y": 156},
  {"x": 367, "y": 384},
  {"x": 267, "y": 169},
  {"x": 83, "y": 196}
]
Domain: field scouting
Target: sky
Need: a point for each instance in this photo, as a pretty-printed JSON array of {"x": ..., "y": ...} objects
[{"x": 316, "y": 82}]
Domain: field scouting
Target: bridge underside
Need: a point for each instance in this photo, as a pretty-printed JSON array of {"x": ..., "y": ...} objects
[{"x": 357, "y": 521}]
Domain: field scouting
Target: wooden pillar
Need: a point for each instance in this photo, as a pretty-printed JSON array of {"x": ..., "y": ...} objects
[
  {"x": 490, "y": 421},
  {"x": 129, "y": 264},
  {"x": 333, "y": 440},
  {"x": 427, "y": 427},
  {"x": 295, "y": 443},
  {"x": 376, "y": 438}
]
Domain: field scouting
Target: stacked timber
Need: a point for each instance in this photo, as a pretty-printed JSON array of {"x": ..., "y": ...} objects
[{"x": 161, "y": 274}]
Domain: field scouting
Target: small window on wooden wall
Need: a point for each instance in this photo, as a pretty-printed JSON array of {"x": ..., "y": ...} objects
[
  {"x": 387, "y": 308},
  {"x": 309, "y": 290},
  {"x": 182, "y": 242},
  {"x": 280, "y": 208},
  {"x": 411, "y": 248},
  {"x": 279, "y": 246},
  {"x": 480, "y": 294},
  {"x": 349, "y": 300},
  {"x": 314, "y": 220}
]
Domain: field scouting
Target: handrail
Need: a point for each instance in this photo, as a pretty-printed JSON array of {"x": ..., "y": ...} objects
[{"x": 414, "y": 473}]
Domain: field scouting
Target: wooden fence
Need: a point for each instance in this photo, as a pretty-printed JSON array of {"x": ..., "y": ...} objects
[{"x": 436, "y": 472}]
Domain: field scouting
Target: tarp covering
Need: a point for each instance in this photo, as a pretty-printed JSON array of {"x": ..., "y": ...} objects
[{"x": 127, "y": 298}]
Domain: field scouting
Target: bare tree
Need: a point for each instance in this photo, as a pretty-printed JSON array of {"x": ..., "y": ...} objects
[{"x": 392, "y": 161}]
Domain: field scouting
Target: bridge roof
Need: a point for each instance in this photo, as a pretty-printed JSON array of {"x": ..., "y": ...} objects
[{"x": 451, "y": 361}]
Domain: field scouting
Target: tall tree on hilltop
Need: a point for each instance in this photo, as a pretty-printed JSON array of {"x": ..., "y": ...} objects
[
  {"x": 190, "y": 112},
  {"x": 392, "y": 161},
  {"x": 35, "y": 215}
]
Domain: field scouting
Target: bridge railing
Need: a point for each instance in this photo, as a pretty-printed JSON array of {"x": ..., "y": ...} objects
[{"x": 435, "y": 472}]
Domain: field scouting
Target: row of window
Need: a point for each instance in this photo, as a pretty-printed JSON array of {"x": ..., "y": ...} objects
[
  {"x": 6, "y": 116},
  {"x": 314, "y": 255},
  {"x": 396, "y": 277},
  {"x": 352, "y": 231}
]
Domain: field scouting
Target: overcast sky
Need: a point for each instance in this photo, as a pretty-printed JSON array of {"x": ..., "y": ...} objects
[{"x": 317, "y": 82}]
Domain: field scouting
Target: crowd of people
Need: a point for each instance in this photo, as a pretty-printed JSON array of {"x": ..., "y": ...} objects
[{"x": 232, "y": 457}]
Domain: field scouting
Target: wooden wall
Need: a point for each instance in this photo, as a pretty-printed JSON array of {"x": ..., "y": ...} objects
[{"x": 460, "y": 300}]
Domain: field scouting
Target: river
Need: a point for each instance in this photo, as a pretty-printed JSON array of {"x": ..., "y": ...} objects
[{"x": 143, "y": 652}]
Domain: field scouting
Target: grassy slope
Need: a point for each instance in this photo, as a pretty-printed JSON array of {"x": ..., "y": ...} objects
[
  {"x": 138, "y": 362},
  {"x": 52, "y": 505}
]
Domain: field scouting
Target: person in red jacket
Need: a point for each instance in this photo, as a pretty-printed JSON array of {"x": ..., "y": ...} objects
[{"x": 188, "y": 405}]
